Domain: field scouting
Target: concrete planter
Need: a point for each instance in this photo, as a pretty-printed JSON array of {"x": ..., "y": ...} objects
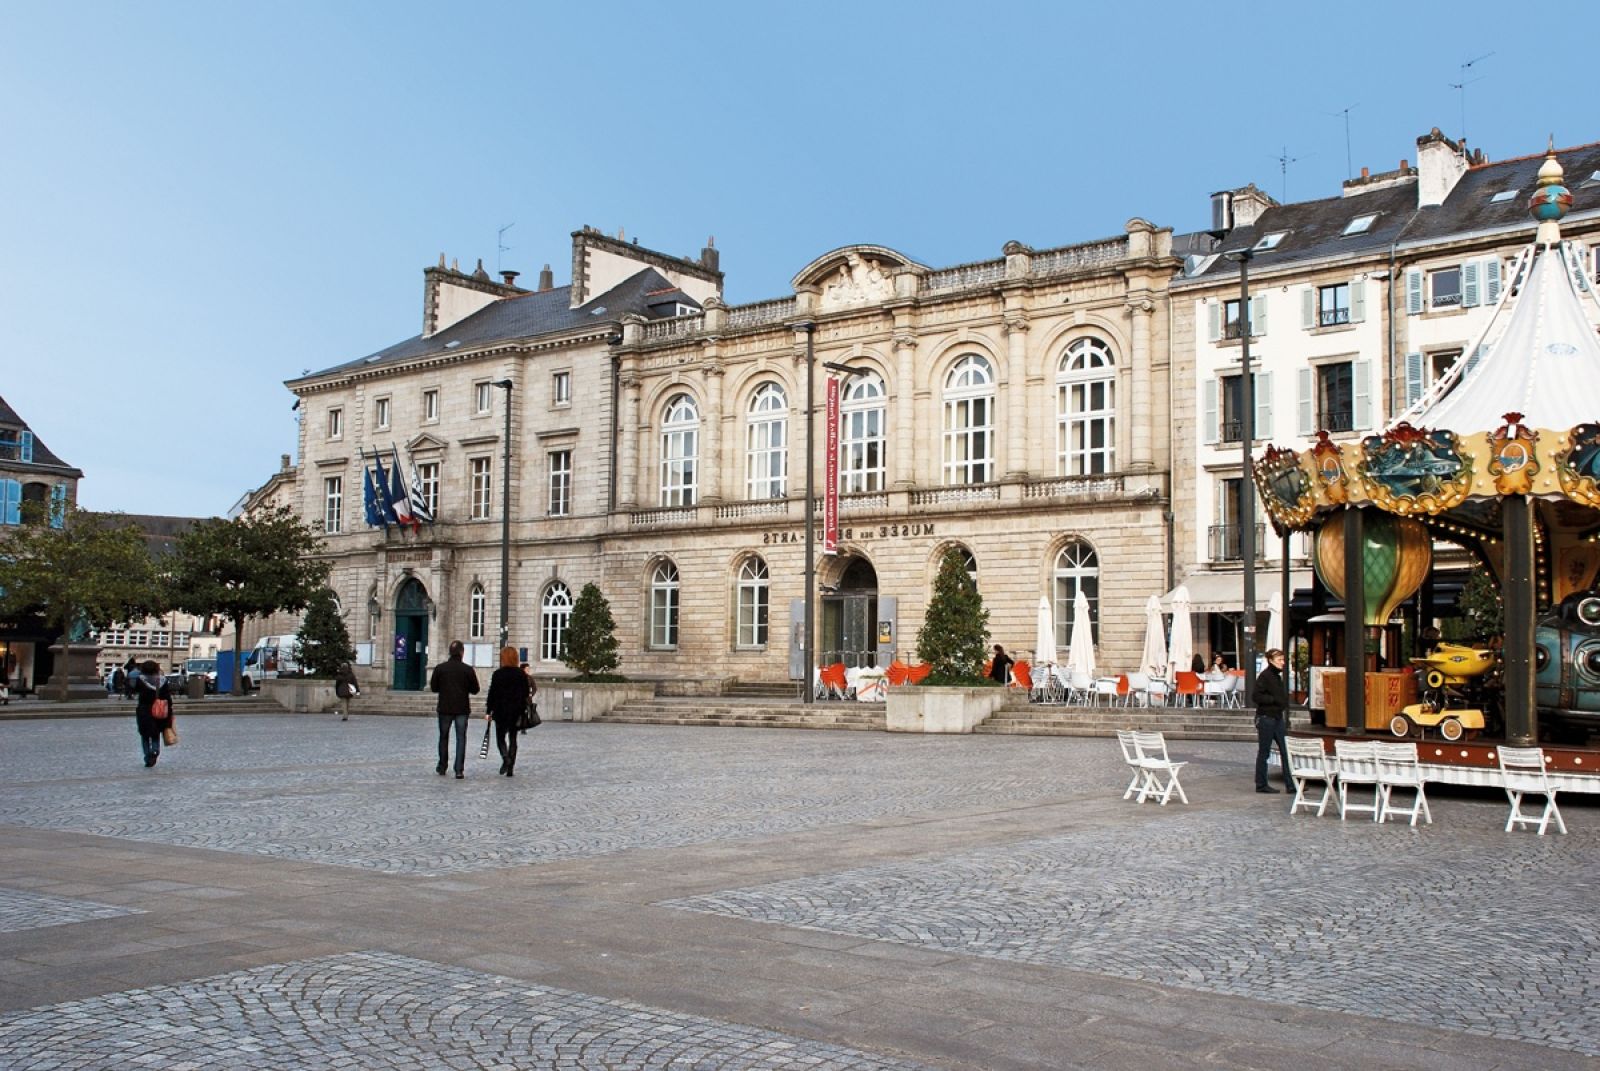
[
  {"x": 919, "y": 709},
  {"x": 301, "y": 695},
  {"x": 569, "y": 701}
]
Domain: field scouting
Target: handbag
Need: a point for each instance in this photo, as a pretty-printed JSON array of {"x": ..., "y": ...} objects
[
  {"x": 169, "y": 736},
  {"x": 530, "y": 717},
  {"x": 483, "y": 752}
]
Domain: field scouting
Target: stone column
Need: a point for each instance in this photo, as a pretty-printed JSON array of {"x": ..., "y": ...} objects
[
  {"x": 904, "y": 425},
  {"x": 711, "y": 489},
  {"x": 1141, "y": 429},
  {"x": 628, "y": 463},
  {"x": 1017, "y": 397}
]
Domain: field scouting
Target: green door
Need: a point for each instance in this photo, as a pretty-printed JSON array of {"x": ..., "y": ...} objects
[{"x": 410, "y": 650}]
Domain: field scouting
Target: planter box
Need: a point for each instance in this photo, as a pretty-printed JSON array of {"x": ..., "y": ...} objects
[
  {"x": 921, "y": 709},
  {"x": 301, "y": 695},
  {"x": 569, "y": 701}
]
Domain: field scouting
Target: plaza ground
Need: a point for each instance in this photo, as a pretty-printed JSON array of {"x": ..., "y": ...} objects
[{"x": 292, "y": 891}]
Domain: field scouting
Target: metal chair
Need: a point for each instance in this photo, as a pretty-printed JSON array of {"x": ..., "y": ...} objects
[
  {"x": 1398, "y": 769},
  {"x": 1104, "y": 687},
  {"x": 1524, "y": 771},
  {"x": 1358, "y": 765},
  {"x": 1080, "y": 689},
  {"x": 1138, "y": 689},
  {"x": 1308, "y": 763},
  {"x": 1157, "y": 693}
]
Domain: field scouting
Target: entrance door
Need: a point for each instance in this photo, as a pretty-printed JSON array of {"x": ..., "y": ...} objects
[
  {"x": 410, "y": 651},
  {"x": 850, "y": 617}
]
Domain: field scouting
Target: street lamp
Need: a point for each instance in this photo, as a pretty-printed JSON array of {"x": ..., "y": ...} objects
[
  {"x": 807, "y": 643},
  {"x": 505, "y": 520},
  {"x": 1247, "y": 488}
]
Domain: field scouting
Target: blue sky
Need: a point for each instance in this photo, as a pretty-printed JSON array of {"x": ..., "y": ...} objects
[{"x": 200, "y": 201}]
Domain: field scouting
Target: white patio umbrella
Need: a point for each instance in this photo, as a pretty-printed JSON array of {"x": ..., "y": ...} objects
[
  {"x": 1181, "y": 647},
  {"x": 1154, "y": 659},
  {"x": 1080, "y": 655},
  {"x": 1044, "y": 641},
  {"x": 1275, "y": 621}
]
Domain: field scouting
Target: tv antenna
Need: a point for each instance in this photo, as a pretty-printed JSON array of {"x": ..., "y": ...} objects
[
  {"x": 500, "y": 245},
  {"x": 1461, "y": 87},
  {"x": 1284, "y": 160},
  {"x": 1349, "y": 168}
]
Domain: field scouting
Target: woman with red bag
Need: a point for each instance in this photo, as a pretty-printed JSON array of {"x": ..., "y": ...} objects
[{"x": 153, "y": 714}]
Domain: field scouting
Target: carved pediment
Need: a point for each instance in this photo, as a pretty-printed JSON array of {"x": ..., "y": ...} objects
[
  {"x": 424, "y": 443},
  {"x": 854, "y": 275}
]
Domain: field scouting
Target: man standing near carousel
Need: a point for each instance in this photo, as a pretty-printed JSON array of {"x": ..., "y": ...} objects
[{"x": 1271, "y": 700}]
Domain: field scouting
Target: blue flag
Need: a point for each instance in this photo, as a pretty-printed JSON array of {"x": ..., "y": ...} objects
[
  {"x": 382, "y": 480},
  {"x": 369, "y": 500}
]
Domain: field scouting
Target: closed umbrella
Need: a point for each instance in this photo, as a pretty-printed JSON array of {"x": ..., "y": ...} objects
[
  {"x": 1154, "y": 659},
  {"x": 1044, "y": 641},
  {"x": 1275, "y": 621},
  {"x": 1181, "y": 651},
  {"x": 1080, "y": 655}
]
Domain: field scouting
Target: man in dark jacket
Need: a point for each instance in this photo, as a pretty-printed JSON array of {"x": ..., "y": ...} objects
[
  {"x": 1271, "y": 700},
  {"x": 455, "y": 683}
]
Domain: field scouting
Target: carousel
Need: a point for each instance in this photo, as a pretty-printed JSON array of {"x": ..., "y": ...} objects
[{"x": 1502, "y": 458}]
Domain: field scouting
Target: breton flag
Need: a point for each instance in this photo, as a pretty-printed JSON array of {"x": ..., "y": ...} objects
[
  {"x": 419, "y": 501},
  {"x": 385, "y": 498},
  {"x": 370, "y": 500},
  {"x": 397, "y": 491}
]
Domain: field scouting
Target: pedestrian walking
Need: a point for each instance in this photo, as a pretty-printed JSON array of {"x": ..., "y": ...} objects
[
  {"x": 455, "y": 683},
  {"x": 346, "y": 688},
  {"x": 1271, "y": 700},
  {"x": 152, "y": 712},
  {"x": 1000, "y": 668},
  {"x": 507, "y": 699}
]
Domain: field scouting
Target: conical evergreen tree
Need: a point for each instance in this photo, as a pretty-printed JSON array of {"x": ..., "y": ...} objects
[
  {"x": 955, "y": 632},
  {"x": 324, "y": 641},
  {"x": 591, "y": 642}
]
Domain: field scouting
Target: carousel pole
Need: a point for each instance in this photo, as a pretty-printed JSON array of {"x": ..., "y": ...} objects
[
  {"x": 1516, "y": 519},
  {"x": 1355, "y": 639}
]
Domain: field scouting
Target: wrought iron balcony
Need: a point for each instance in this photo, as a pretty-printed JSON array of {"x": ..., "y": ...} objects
[{"x": 1225, "y": 541}]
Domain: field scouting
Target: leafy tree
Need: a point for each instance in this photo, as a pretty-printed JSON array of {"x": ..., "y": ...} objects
[
  {"x": 955, "y": 632},
  {"x": 77, "y": 570},
  {"x": 1483, "y": 614},
  {"x": 250, "y": 566},
  {"x": 324, "y": 641},
  {"x": 591, "y": 642}
]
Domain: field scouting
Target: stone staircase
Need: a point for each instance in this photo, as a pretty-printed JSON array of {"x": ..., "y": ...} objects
[
  {"x": 1178, "y": 723},
  {"x": 753, "y": 713},
  {"x": 776, "y": 691}
]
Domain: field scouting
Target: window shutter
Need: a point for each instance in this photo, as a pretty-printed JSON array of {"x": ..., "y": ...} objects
[
  {"x": 1258, "y": 316},
  {"x": 25, "y": 441},
  {"x": 1213, "y": 320},
  {"x": 1208, "y": 411},
  {"x": 1358, "y": 300},
  {"x": 1302, "y": 399},
  {"x": 1413, "y": 378},
  {"x": 10, "y": 502},
  {"x": 1263, "y": 381},
  {"x": 1491, "y": 280},
  {"x": 1308, "y": 308},
  {"x": 1469, "y": 284},
  {"x": 1413, "y": 291},
  {"x": 58, "y": 505},
  {"x": 1361, "y": 409}
]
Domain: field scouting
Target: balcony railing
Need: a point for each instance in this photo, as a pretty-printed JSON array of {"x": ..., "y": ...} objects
[
  {"x": 1225, "y": 540},
  {"x": 1337, "y": 421},
  {"x": 1333, "y": 317}
]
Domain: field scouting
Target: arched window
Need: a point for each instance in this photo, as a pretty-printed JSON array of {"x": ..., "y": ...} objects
[
  {"x": 1077, "y": 567},
  {"x": 767, "y": 453},
  {"x": 476, "y": 607},
  {"x": 664, "y": 605},
  {"x": 753, "y": 602},
  {"x": 861, "y": 436},
  {"x": 1086, "y": 411},
  {"x": 554, "y": 614},
  {"x": 680, "y": 451},
  {"x": 969, "y": 422}
]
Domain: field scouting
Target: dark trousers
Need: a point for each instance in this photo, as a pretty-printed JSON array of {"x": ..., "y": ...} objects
[
  {"x": 1269, "y": 729},
  {"x": 460, "y": 723},
  {"x": 150, "y": 745},
  {"x": 505, "y": 738}
]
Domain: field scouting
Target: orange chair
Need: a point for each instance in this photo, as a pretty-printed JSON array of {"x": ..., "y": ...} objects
[
  {"x": 1022, "y": 677},
  {"x": 834, "y": 679},
  {"x": 1122, "y": 690},
  {"x": 1189, "y": 688},
  {"x": 897, "y": 674},
  {"x": 988, "y": 667},
  {"x": 919, "y": 672}
]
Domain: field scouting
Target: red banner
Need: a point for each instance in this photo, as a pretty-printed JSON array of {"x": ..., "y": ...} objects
[{"x": 830, "y": 487}]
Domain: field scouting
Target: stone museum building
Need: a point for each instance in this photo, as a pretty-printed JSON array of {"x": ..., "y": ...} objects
[{"x": 1015, "y": 409}]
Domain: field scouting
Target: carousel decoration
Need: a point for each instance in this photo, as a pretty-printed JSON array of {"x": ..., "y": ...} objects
[
  {"x": 1396, "y": 554},
  {"x": 1413, "y": 470},
  {"x": 1579, "y": 466},
  {"x": 1282, "y": 477},
  {"x": 1328, "y": 465},
  {"x": 1511, "y": 458}
]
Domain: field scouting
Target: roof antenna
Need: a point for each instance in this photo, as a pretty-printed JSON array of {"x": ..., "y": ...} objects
[
  {"x": 1461, "y": 88},
  {"x": 1349, "y": 168},
  {"x": 1284, "y": 160},
  {"x": 500, "y": 245}
]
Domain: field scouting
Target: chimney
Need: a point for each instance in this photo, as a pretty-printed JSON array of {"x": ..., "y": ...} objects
[
  {"x": 547, "y": 278},
  {"x": 709, "y": 259},
  {"x": 510, "y": 277},
  {"x": 1440, "y": 165},
  {"x": 479, "y": 273},
  {"x": 283, "y": 462},
  {"x": 1367, "y": 173}
]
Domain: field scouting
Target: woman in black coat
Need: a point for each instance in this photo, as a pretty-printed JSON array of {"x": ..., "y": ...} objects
[
  {"x": 508, "y": 698},
  {"x": 152, "y": 686}
]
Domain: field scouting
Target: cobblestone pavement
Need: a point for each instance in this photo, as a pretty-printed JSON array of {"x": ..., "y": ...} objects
[
  {"x": 21, "y": 910},
  {"x": 377, "y": 1010}
]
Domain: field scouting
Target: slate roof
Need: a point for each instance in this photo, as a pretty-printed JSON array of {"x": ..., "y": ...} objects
[
  {"x": 1470, "y": 207},
  {"x": 43, "y": 456},
  {"x": 546, "y": 312}
]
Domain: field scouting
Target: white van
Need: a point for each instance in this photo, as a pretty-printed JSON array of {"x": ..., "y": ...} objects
[{"x": 272, "y": 656}]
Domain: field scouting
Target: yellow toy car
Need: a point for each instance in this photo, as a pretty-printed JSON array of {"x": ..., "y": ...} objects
[{"x": 1420, "y": 717}]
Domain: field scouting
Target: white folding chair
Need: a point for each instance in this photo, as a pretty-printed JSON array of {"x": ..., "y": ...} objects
[
  {"x": 1130, "y": 756},
  {"x": 1234, "y": 696},
  {"x": 1398, "y": 769},
  {"x": 1161, "y": 773},
  {"x": 1138, "y": 689},
  {"x": 1046, "y": 689},
  {"x": 1308, "y": 762},
  {"x": 1104, "y": 688},
  {"x": 1214, "y": 693},
  {"x": 1158, "y": 692},
  {"x": 1525, "y": 772},
  {"x": 1080, "y": 689},
  {"x": 1357, "y": 765}
]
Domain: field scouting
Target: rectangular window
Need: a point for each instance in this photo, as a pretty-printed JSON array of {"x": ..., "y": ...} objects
[
  {"x": 560, "y": 483},
  {"x": 380, "y": 414},
  {"x": 336, "y": 423},
  {"x": 482, "y": 397},
  {"x": 1336, "y": 396},
  {"x": 1333, "y": 305},
  {"x": 861, "y": 451},
  {"x": 1441, "y": 363},
  {"x": 561, "y": 388},
  {"x": 1230, "y": 319},
  {"x": 1444, "y": 288},
  {"x": 1360, "y": 225},
  {"x": 333, "y": 504},
  {"x": 428, "y": 476},
  {"x": 482, "y": 485},
  {"x": 430, "y": 406}
]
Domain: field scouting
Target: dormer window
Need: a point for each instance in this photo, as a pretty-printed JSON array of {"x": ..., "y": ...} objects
[
  {"x": 1360, "y": 225},
  {"x": 1502, "y": 197},
  {"x": 16, "y": 445},
  {"x": 1270, "y": 241}
]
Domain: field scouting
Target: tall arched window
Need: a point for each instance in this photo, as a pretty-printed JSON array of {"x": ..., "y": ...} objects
[
  {"x": 554, "y": 614},
  {"x": 861, "y": 436},
  {"x": 1077, "y": 567},
  {"x": 753, "y": 603},
  {"x": 969, "y": 422},
  {"x": 664, "y": 605},
  {"x": 767, "y": 453},
  {"x": 1086, "y": 411},
  {"x": 476, "y": 607},
  {"x": 680, "y": 451}
]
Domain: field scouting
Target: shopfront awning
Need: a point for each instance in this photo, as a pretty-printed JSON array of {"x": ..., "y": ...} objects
[{"x": 1223, "y": 593}]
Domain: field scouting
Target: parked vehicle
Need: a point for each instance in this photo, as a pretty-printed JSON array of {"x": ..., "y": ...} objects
[{"x": 272, "y": 656}]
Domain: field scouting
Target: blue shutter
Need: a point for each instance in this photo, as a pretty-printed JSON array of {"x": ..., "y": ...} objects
[
  {"x": 1414, "y": 370},
  {"x": 1469, "y": 284},
  {"x": 58, "y": 505},
  {"x": 10, "y": 502},
  {"x": 26, "y": 441},
  {"x": 1491, "y": 280},
  {"x": 1413, "y": 291},
  {"x": 1358, "y": 300},
  {"x": 1303, "y": 398},
  {"x": 1361, "y": 410},
  {"x": 1263, "y": 388},
  {"x": 1208, "y": 410}
]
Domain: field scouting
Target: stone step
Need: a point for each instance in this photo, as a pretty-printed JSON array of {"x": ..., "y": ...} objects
[{"x": 765, "y": 690}]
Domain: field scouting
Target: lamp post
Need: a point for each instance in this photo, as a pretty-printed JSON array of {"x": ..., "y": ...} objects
[
  {"x": 1247, "y": 488},
  {"x": 808, "y": 643},
  {"x": 505, "y": 520}
]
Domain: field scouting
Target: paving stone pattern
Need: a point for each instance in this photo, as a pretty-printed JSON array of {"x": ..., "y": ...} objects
[
  {"x": 378, "y": 1010},
  {"x": 22, "y": 910},
  {"x": 1459, "y": 925},
  {"x": 364, "y": 794}
]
